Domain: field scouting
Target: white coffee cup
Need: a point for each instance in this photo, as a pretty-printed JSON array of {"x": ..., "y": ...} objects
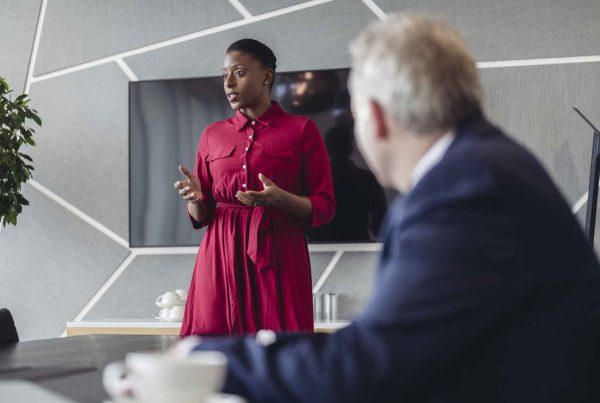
[
  {"x": 168, "y": 299},
  {"x": 176, "y": 312},
  {"x": 183, "y": 294},
  {"x": 157, "y": 377}
]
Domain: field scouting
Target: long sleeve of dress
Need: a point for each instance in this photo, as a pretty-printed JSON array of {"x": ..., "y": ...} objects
[
  {"x": 202, "y": 171},
  {"x": 318, "y": 181}
]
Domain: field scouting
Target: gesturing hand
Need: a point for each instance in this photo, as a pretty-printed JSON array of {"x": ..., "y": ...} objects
[
  {"x": 267, "y": 197},
  {"x": 189, "y": 188}
]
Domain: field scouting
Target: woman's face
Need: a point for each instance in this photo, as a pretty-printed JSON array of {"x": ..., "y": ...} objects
[{"x": 244, "y": 80}]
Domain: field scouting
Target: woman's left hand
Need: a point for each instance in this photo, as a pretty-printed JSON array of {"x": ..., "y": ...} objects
[{"x": 270, "y": 196}]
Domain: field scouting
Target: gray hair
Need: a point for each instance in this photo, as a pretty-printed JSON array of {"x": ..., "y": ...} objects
[{"x": 419, "y": 70}]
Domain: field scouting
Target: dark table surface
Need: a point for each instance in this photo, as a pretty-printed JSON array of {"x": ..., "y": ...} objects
[{"x": 78, "y": 351}]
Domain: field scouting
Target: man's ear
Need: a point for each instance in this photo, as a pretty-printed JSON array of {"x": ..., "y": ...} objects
[{"x": 380, "y": 121}]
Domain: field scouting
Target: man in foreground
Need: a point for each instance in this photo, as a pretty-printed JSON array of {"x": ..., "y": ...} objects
[{"x": 487, "y": 290}]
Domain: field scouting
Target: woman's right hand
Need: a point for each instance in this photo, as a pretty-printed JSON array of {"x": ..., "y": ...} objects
[{"x": 189, "y": 188}]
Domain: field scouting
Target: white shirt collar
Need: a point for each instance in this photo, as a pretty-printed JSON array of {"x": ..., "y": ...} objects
[{"x": 434, "y": 155}]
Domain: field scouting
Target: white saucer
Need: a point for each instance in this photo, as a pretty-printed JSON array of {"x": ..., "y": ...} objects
[
  {"x": 158, "y": 318},
  {"x": 163, "y": 305}
]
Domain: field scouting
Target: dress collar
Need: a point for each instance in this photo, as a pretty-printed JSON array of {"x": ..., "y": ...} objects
[{"x": 241, "y": 121}]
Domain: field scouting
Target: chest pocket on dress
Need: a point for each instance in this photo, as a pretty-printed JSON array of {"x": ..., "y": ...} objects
[
  {"x": 277, "y": 159},
  {"x": 274, "y": 154},
  {"x": 223, "y": 164},
  {"x": 278, "y": 164},
  {"x": 220, "y": 152}
]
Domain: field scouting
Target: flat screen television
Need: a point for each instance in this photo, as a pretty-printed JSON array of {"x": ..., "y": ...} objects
[{"x": 167, "y": 117}]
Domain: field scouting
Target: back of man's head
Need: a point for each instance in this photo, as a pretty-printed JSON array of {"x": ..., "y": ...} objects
[{"x": 419, "y": 70}]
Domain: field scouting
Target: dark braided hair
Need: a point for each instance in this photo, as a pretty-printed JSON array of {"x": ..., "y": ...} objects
[{"x": 257, "y": 50}]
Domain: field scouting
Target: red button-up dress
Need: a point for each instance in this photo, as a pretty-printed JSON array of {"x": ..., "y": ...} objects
[{"x": 253, "y": 269}]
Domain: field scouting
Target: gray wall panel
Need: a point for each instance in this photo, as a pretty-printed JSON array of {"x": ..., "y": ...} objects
[
  {"x": 353, "y": 280},
  {"x": 51, "y": 265},
  {"x": 17, "y": 29},
  {"x": 75, "y": 32},
  {"x": 81, "y": 151},
  {"x": 300, "y": 40},
  {"x": 262, "y": 6},
  {"x": 318, "y": 263},
  {"x": 516, "y": 29},
  {"x": 534, "y": 105},
  {"x": 147, "y": 277}
]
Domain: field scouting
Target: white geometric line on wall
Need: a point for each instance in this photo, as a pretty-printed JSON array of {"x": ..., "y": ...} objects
[
  {"x": 345, "y": 247},
  {"x": 334, "y": 260},
  {"x": 319, "y": 247},
  {"x": 240, "y": 8},
  {"x": 78, "y": 213},
  {"x": 253, "y": 19},
  {"x": 181, "y": 39},
  {"x": 580, "y": 203},
  {"x": 547, "y": 61},
  {"x": 107, "y": 284},
  {"x": 34, "y": 49},
  {"x": 375, "y": 9},
  {"x": 128, "y": 72},
  {"x": 169, "y": 250}
]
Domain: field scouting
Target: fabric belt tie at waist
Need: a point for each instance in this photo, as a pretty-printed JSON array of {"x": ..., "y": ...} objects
[{"x": 260, "y": 236}]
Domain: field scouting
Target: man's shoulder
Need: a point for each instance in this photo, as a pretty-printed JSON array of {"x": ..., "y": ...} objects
[
  {"x": 482, "y": 159},
  {"x": 484, "y": 178}
]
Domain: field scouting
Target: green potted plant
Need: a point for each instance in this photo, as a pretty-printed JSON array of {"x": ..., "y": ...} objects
[{"x": 15, "y": 166}]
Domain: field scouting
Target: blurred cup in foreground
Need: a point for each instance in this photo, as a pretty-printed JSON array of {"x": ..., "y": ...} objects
[{"x": 150, "y": 377}]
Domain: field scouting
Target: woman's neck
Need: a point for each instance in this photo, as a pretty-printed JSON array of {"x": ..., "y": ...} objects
[{"x": 257, "y": 110}]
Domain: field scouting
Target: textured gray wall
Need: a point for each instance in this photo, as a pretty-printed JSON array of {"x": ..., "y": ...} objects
[
  {"x": 17, "y": 28},
  {"x": 68, "y": 257}
]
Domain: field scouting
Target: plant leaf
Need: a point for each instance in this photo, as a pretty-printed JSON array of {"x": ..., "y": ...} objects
[
  {"x": 15, "y": 166},
  {"x": 37, "y": 119}
]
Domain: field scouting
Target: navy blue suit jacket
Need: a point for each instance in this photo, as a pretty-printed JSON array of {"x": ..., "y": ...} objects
[{"x": 487, "y": 291}]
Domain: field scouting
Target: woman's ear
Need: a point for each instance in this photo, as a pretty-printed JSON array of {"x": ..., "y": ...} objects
[{"x": 269, "y": 77}]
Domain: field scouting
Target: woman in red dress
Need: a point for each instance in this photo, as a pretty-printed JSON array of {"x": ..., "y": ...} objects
[{"x": 260, "y": 178}]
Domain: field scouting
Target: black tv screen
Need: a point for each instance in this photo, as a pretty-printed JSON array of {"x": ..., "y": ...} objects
[{"x": 167, "y": 117}]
